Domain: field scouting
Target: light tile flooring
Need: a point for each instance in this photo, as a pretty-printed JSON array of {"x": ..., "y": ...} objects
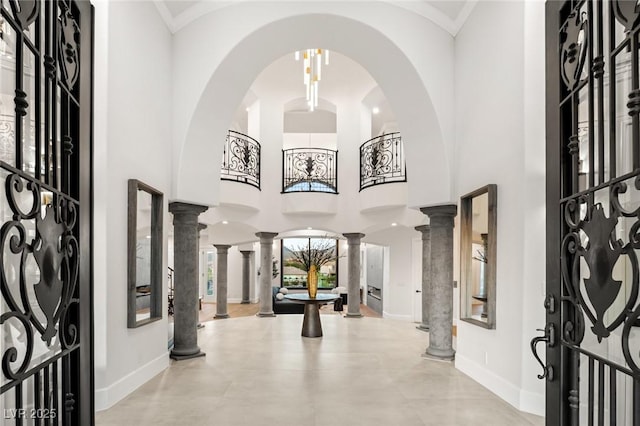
[{"x": 260, "y": 372}]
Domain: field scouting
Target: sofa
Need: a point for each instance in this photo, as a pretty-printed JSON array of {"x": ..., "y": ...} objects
[{"x": 285, "y": 306}]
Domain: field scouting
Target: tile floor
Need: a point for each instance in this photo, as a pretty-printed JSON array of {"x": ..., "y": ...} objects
[{"x": 260, "y": 372}]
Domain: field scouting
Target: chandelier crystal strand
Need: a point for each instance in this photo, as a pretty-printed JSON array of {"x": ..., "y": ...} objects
[{"x": 312, "y": 73}]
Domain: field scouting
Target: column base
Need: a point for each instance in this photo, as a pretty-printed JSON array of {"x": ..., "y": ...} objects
[
  {"x": 265, "y": 314},
  {"x": 440, "y": 354},
  {"x": 245, "y": 302},
  {"x": 358, "y": 315},
  {"x": 181, "y": 357},
  {"x": 221, "y": 316},
  {"x": 423, "y": 327}
]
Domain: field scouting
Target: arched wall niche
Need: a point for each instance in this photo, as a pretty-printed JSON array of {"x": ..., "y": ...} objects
[{"x": 199, "y": 149}]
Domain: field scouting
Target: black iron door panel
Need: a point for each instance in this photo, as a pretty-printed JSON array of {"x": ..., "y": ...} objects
[
  {"x": 593, "y": 213},
  {"x": 45, "y": 213}
]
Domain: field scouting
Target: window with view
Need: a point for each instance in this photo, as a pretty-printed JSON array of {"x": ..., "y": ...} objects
[{"x": 298, "y": 254}]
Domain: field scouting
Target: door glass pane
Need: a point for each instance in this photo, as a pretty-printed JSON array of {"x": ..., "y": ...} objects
[{"x": 7, "y": 93}]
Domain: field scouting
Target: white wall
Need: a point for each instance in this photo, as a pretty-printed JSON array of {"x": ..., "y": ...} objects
[
  {"x": 132, "y": 140},
  {"x": 500, "y": 139}
]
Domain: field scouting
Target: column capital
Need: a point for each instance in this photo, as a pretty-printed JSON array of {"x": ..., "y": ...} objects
[
  {"x": 201, "y": 227},
  {"x": 423, "y": 228},
  {"x": 266, "y": 236},
  {"x": 180, "y": 208},
  {"x": 444, "y": 210},
  {"x": 353, "y": 236},
  {"x": 222, "y": 248},
  {"x": 246, "y": 253}
]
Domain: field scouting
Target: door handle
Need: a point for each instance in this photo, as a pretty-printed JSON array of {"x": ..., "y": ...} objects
[
  {"x": 418, "y": 291},
  {"x": 550, "y": 338}
]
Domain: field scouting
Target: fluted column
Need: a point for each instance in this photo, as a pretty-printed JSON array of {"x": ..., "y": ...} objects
[
  {"x": 266, "y": 254},
  {"x": 441, "y": 294},
  {"x": 426, "y": 272},
  {"x": 353, "y": 275},
  {"x": 221, "y": 282},
  {"x": 246, "y": 271},
  {"x": 185, "y": 248}
]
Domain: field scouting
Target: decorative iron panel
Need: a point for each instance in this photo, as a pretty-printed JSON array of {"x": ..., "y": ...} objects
[
  {"x": 241, "y": 159},
  {"x": 45, "y": 171},
  {"x": 593, "y": 187},
  {"x": 310, "y": 170},
  {"x": 382, "y": 161}
]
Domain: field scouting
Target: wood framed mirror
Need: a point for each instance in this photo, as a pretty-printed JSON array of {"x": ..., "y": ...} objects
[
  {"x": 144, "y": 250},
  {"x": 478, "y": 249}
]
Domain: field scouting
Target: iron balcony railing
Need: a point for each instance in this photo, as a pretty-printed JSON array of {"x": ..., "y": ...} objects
[
  {"x": 382, "y": 161},
  {"x": 241, "y": 159},
  {"x": 310, "y": 170}
]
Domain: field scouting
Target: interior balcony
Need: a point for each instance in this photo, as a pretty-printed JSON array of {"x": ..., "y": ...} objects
[
  {"x": 382, "y": 162},
  {"x": 240, "y": 172}
]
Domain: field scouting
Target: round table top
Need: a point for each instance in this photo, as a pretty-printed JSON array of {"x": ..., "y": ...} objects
[{"x": 304, "y": 297}]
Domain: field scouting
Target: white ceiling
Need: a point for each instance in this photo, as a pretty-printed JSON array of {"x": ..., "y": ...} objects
[
  {"x": 449, "y": 14},
  {"x": 343, "y": 77}
]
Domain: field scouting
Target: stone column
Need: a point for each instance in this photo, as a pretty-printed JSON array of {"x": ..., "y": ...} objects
[
  {"x": 441, "y": 294},
  {"x": 185, "y": 248},
  {"x": 353, "y": 276},
  {"x": 221, "y": 282},
  {"x": 266, "y": 255},
  {"x": 246, "y": 279},
  {"x": 426, "y": 272}
]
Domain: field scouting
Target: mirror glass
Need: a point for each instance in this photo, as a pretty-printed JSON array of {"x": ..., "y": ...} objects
[
  {"x": 478, "y": 256},
  {"x": 145, "y": 254}
]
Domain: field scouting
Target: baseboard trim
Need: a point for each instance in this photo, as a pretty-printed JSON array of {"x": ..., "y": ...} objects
[
  {"x": 520, "y": 399},
  {"x": 107, "y": 397},
  {"x": 387, "y": 315},
  {"x": 533, "y": 403}
]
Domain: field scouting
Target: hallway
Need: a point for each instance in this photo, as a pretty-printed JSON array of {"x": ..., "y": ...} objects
[{"x": 259, "y": 371}]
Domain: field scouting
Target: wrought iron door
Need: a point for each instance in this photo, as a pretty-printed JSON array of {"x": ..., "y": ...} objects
[
  {"x": 593, "y": 213},
  {"x": 45, "y": 212}
]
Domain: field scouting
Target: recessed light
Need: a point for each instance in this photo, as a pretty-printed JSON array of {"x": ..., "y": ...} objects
[
  {"x": 247, "y": 109},
  {"x": 224, "y": 222},
  {"x": 394, "y": 224},
  {"x": 375, "y": 110}
]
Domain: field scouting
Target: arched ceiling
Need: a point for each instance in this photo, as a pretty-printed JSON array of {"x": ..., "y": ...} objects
[{"x": 448, "y": 14}]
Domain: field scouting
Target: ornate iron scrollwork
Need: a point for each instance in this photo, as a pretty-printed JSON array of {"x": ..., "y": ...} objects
[
  {"x": 25, "y": 11},
  {"x": 241, "y": 159},
  {"x": 54, "y": 250},
  {"x": 69, "y": 49},
  {"x": 310, "y": 170},
  {"x": 573, "y": 48},
  {"x": 592, "y": 244},
  {"x": 627, "y": 13},
  {"x": 382, "y": 161}
]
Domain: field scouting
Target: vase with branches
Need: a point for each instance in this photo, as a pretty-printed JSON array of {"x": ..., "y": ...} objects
[{"x": 311, "y": 258}]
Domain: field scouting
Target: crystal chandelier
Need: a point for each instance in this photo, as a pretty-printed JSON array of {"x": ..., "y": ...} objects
[{"x": 312, "y": 71}]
